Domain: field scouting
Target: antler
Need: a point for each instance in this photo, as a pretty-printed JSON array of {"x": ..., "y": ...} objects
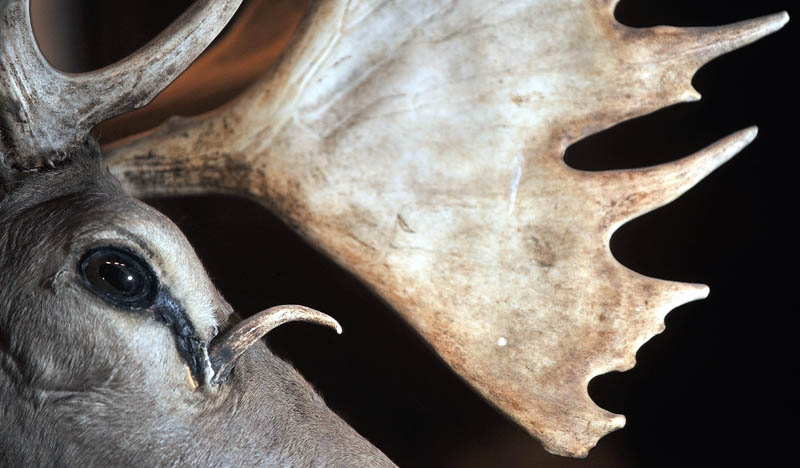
[
  {"x": 420, "y": 145},
  {"x": 38, "y": 129},
  {"x": 227, "y": 347},
  {"x": 251, "y": 44}
]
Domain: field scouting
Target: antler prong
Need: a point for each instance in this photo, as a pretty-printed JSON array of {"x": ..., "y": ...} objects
[
  {"x": 226, "y": 348},
  {"x": 699, "y": 45},
  {"x": 634, "y": 192},
  {"x": 37, "y": 128}
]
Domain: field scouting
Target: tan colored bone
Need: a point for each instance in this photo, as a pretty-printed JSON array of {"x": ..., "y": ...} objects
[{"x": 420, "y": 145}]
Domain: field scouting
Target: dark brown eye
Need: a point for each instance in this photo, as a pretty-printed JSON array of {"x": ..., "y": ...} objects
[{"x": 120, "y": 277}]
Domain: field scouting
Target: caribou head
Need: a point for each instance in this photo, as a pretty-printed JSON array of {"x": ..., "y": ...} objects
[
  {"x": 116, "y": 349},
  {"x": 419, "y": 144}
]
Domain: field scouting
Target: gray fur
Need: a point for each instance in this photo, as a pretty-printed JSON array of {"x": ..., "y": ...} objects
[{"x": 84, "y": 383}]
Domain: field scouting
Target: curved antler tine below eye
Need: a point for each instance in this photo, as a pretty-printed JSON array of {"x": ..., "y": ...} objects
[{"x": 227, "y": 347}]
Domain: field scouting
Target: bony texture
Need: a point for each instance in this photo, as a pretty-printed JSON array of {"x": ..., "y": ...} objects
[
  {"x": 46, "y": 114},
  {"x": 420, "y": 144}
]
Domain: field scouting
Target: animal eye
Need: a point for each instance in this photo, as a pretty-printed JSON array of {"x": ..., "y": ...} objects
[{"x": 120, "y": 277}]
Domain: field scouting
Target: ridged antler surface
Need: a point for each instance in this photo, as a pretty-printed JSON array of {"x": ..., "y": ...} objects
[
  {"x": 39, "y": 129},
  {"x": 420, "y": 145}
]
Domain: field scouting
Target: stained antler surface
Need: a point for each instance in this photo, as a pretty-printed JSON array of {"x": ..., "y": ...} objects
[{"x": 420, "y": 145}]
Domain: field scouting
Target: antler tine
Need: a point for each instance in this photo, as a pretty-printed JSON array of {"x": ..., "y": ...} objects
[
  {"x": 38, "y": 129},
  {"x": 227, "y": 347}
]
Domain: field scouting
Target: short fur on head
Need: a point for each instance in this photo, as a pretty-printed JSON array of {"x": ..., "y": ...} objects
[{"x": 85, "y": 383}]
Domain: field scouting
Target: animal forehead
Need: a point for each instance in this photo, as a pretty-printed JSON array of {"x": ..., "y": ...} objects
[
  {"x": 73, "y": 221},
  {"x": 141, "y": 228}
]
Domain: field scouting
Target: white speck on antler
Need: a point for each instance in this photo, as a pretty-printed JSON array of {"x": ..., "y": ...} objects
[
  {"x": 37, "y": 128},
  {"x": 419, "y": 115}
]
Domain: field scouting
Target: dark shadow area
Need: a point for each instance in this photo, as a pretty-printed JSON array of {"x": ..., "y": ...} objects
[
  {"x": 83, "y": 35},
  {"x": 646, "y": 13}
]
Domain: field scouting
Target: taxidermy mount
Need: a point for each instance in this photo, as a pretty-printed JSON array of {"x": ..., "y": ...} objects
[{"x": 418, "y": 144}]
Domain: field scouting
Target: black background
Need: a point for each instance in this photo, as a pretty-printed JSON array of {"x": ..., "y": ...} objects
[{"x": 717, "y": 388}]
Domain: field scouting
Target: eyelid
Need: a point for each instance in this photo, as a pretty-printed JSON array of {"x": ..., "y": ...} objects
[{"x": 122, "y": 238}]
